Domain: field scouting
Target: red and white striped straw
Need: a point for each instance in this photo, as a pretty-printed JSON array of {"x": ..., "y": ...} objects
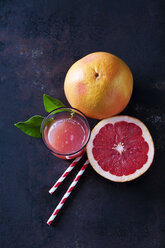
[
  {"x": 64, "y": 175},
  {"x": 68, "y": 192}
]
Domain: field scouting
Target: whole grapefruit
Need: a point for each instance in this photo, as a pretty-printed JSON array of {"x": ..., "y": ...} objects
[{"x": 100, "y": 85}]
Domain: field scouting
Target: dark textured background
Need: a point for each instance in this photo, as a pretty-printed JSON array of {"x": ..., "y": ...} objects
[{"x": 39, "y": 41}]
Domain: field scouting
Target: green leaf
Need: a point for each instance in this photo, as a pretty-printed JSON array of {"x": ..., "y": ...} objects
[
  {"x": 32, "y": 126},
  {"x": 72, "y": 114},
  {"x": 51, "y": 103}
]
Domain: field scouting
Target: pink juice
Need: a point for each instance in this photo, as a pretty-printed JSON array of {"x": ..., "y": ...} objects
[{"x": 66, "y": 136}]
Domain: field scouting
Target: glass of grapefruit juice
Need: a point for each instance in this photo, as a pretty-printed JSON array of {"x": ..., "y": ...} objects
[{"x": 65, "y": 132}]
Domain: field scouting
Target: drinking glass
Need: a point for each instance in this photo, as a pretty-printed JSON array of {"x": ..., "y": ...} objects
[{"x": 62, "y": 124}]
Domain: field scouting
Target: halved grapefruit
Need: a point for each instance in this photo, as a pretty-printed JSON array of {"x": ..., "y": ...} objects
[{"x": 120, "y": 148}]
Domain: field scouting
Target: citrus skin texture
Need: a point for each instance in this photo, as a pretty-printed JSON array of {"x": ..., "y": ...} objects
[
  {"x": 120, "y": 148},
  {"x": 100, "y": 85}
]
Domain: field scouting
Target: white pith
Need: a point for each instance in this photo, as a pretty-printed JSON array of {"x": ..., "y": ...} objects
[
  {"x": 146, "y": 135},
  {"x": 119, "y": 147}
]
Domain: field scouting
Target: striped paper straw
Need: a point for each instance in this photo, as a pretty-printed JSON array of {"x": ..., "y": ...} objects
[
  {"x": 68, "y": 192},
  {"x": 64, "y": 175}
]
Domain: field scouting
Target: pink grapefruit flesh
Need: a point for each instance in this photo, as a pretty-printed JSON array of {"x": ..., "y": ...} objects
[{"x": 120, "y": 148}]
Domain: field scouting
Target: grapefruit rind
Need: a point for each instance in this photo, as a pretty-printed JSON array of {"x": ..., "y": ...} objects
[
  {"x": 100, "y": 85},
  {"x": 145, "y": 134}
]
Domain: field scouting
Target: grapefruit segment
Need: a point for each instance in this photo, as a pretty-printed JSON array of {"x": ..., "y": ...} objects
[{"x": 120, "y": 148}]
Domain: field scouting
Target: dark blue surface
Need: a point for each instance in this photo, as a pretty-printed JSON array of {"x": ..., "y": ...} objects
[{"x": 39, "y": 41}]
